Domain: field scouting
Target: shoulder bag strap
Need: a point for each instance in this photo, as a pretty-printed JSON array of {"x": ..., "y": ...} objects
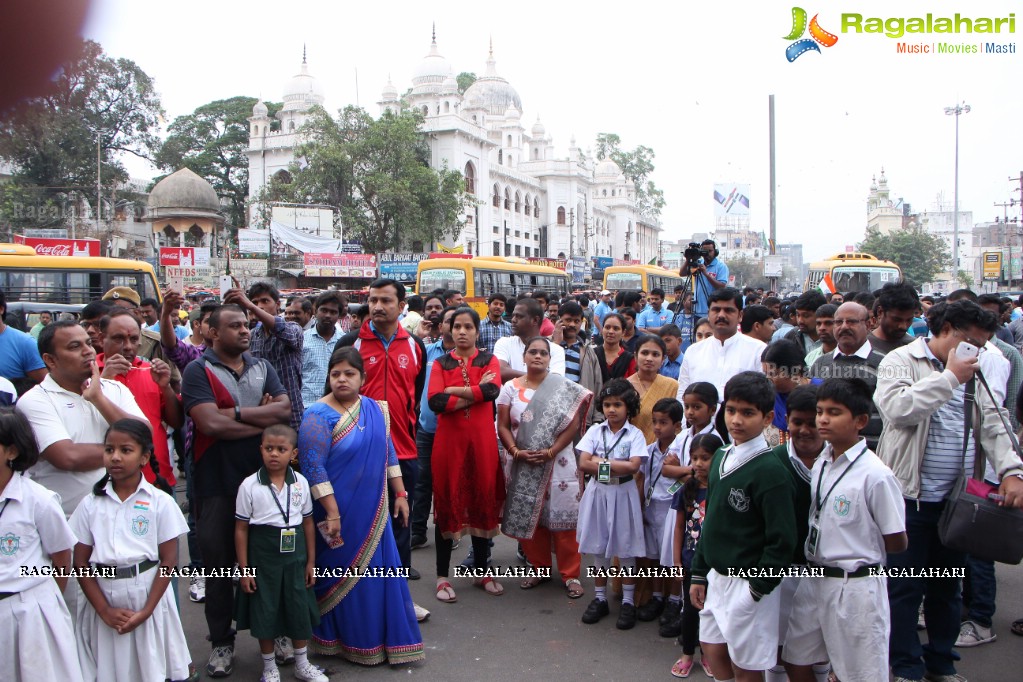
[
  {"x": 968, "y": 394},
  {"x": 1001, "y": 415}
]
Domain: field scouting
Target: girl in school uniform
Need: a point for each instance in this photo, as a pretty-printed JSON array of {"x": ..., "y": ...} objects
[
  {"x": 691, "y": 501},
  {"x": 700, "y": 402},
  {"x": 129, "y": 629},
  {"x": 36, "y": 635},
  {"x": 610, "y": 516}
]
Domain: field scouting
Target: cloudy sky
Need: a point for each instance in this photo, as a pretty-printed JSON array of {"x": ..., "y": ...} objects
[{"x": 690, "y": 80}]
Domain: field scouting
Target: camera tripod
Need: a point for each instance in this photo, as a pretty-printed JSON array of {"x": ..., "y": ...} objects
[{"x": 690, "y": 283}]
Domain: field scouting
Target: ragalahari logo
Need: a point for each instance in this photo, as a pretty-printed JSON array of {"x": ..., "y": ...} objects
[{"x": 817, "y": 35}]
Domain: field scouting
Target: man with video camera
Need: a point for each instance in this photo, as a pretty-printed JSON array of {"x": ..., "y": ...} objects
[{"x": 709, "y": 273}]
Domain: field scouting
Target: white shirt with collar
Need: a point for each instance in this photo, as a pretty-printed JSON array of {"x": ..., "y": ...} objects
[
  {"x": 865, "y": 505},
  {"x": 129, "y": 532},
  {"x": 684, "y": 441},
  {"x": 55, "y": 415},
  {"x": 629, "y": 442},
  {"x": 861, "y": 352},
  {"x": 716, "y": 362},
  {"x": 32, "y": 528},
  {"x": 737, "y": 455},
  {"x": 255, "y": 503},
  {"x": 511, "y": 349}
]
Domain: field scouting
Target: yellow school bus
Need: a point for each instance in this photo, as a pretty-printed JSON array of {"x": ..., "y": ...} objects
[
  {"x": 641, "y": 278},
  {"x": 852, "y": 273},
  {"x": 479, "y": 277},
  {"x": 27, "y": 276}
]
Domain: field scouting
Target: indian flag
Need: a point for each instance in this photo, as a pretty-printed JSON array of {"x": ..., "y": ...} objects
[{"x": 827, "y": 285}]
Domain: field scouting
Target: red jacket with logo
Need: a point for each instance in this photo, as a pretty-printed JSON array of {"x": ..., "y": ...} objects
[{"x": 395, "y": 374}]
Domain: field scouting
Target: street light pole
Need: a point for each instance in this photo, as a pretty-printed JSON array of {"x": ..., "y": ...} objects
[{"x": 957, "y": 110}]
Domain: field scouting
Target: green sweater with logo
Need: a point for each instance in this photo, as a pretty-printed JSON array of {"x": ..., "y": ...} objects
[
  {"x": 750, "y": 522},
  {"x": 801, "y": 504}
]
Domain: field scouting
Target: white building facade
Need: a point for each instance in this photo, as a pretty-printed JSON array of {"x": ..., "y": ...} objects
[{"x": 528, "y": 201}]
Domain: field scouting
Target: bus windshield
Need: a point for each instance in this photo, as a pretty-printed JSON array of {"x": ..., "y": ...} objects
[
  {"x": 442, "y": 278},
  {"x": 624, "y": 281},
  {"x": 863, "y": 278}
]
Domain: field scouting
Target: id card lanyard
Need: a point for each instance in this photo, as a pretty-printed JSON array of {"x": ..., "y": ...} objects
[
  {"x": 653, "y": 483},
  {"x": 604, "y": 468},
  {"x": 287, "y": 534},
  {"x": 818, "y": 505}
]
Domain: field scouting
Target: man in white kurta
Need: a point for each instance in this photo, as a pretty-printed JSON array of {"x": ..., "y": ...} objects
[{"x": 720, "y": 357}]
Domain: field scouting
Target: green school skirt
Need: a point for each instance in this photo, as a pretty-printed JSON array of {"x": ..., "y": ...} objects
[{"x": 281, "y": 606}]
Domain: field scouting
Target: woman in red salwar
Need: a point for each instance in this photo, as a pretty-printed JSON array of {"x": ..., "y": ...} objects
[{"x": 468, "y": 484}]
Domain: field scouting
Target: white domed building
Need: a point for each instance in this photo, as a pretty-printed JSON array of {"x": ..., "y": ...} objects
[{"x": 530, "y": 202}]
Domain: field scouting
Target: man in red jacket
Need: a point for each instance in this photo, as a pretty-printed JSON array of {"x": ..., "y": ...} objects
[{"x": 395, "y": 364}]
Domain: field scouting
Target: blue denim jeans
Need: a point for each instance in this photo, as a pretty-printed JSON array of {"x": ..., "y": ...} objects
[
  {"x": 943, "y": 601},
  {"x": 194, "y": 557},
  {"x": 403, "y": 534},
  {"x": 980, "y": 590},
  {"x": 422, "y": 498}
]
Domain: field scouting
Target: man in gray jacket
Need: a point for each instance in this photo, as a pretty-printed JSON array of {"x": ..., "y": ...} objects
[{"x": 920, "y": 395}]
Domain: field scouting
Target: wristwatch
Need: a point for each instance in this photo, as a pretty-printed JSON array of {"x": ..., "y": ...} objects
[{"x": 237, "y": 413}]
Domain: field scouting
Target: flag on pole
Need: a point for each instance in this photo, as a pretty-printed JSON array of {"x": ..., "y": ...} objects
[{"x": 827, "y": 285}]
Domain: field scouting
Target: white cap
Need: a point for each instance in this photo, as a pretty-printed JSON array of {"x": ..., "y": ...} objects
[{"x": 605, "y": 292}]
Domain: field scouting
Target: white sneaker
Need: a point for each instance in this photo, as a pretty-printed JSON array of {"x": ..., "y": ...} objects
[
  {"x": 421, "y": 613},
  {"x": 272, "y": 675},
  {"x": 972, "y": 633},
  {"x": 310, "y": 673},
  {"x": 197, "y": 589},
  {"x": 221, "y": 663},
  {"x": 284, "y": 652}
]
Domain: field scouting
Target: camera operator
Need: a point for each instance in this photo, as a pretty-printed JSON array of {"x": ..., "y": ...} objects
[{"x": 709, "y": 273}]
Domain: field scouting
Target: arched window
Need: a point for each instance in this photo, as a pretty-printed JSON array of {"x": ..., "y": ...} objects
[
  {"x": 605, "y": 192},
  {"x": 497, "y": 196},
  {"x": 291, "y": 126},
  {"x": 526, "y": 204},
  {"x": 511, "y": 161},
  {"x": 561, "y": 215},
  {"x": 507, "y": 199},
  {"x": 500, "y": 157},
  {"x": 426, "y": 110},
  {"x": 509, "y": 141},
  {"x": 474, "y": 118},
  {"x": 518, "y": 202},
  {"x": 447, "y": 107},
  {"x": 536, "y": 208},
  {"x": 283, "y": 176},
  {"x": 536, "y": 153},
  {"x": 470, "y": 178}
]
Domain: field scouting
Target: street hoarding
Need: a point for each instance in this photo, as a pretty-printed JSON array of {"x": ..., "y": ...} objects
[
  {"x": 731, "y": 200},
  {"x": 189, "y": 275},
  {"x": 60, "y": 247},
  {"x": 254, "y": 241},
  {"x": 992, "y": 266},
  {"x": 774, "y": 266},
  {"x": 401, "y": 267},
  {"x": 340, "y": 265},
  {"x": 184, "y": 256},
  {"x": 559, "y": 263}
]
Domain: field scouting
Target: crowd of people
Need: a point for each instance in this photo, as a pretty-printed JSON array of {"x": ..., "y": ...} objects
[{"x": 705, "y": 456}]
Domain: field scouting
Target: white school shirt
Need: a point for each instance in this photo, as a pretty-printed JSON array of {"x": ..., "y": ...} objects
[
  {"x": 652, "y": 472},
  {"x": 256, "y": 494},
  {"x": 632, "y": 443},
  {"x": 864, "y": 506},
  {"x": 683, "y": 442},
  {"x": 511, "y": 350},
  {"x": 737, "y": 455},
  {"x": 32, "y": 527},
  {"x": 129, "y": 532},
  {"x": 55, "y": 415},
  {"x": 710, "y": 360}
]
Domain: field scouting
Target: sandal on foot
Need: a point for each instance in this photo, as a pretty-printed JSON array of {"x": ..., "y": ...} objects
[
  {"x": 682, "y": 668},
  {"x": 485, "y": 583},
  {"x": 574, "y": 588},
  {"x": 533, "y": 581},
  {"x": 446, "y": 593},
  {"x": 1017, "y": 627}
]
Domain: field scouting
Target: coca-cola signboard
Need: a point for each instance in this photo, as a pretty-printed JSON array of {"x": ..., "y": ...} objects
[
  {"x": 184, "y": 256},
  {"x": 61, "y": 247}
]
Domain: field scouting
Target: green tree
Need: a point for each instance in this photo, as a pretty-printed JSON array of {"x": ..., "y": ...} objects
[
  {"x": 212, "y": 142},
  {"x": 747, "y": 272},
  {"x": 96, "y": 101},
  {"x": 965, "y": 279},
  {"x": 638, "y": 166},
  {"x": 465, "y": 79},
  {"x": 921, "y": 255},
  {"x": 377, "y": 172}
]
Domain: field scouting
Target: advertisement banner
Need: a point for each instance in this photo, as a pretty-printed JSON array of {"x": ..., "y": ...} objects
[
  {"x": 992, "y": 266},
  {"x": 61, "y": 247},
  {"x": 184, "y": 256},
  {"x": 401, "y": 267},
  {"x": 774, "y": 266},
  {"x": 188, "y": 275},
  {"x": 580, "y": 268},
  {"x": 254, "y": 241},
  {"x": 731, "y": 200},
  {"x": 340, "y": 265},
  {"x": 559, "y": 263}
]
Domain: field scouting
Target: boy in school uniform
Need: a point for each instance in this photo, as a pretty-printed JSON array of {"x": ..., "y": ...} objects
[
  {"x": 748, "y": 538},
  {"x": 857, "y": 515}
]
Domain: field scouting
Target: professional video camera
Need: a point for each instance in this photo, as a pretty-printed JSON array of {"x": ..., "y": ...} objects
[{"x": 693, "y": 255}]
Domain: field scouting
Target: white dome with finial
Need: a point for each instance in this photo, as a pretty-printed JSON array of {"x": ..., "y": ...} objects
[
  {"x": 303, "y": 90},
  {"x": 491, "y": 92},
  {"x": 390, "y": 93},
  {"x": 450, "y": 85},
  {"x": 512, "y": 113},
  {"x": 260, "y": 109},
  {"x": 432, "y": 71},
  {"x": 607, "y": 171},
  {"x": 538, "y": 130}
]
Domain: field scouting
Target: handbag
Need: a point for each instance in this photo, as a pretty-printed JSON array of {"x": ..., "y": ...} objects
[{"x": 972, "y": 522}]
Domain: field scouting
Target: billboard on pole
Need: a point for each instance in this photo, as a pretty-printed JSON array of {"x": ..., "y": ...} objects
[{"x": 731, "y": 200}]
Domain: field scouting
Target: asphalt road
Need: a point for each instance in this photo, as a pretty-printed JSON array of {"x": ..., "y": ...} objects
[{"x": 537, "y": 634}]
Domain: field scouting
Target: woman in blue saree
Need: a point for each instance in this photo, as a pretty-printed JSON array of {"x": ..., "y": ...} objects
[{"x": 346, "y": 454}]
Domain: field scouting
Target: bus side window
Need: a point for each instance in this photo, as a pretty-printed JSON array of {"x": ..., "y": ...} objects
[
  {"x": 484, "y": 284},
  {"x": 505, "y": 284}
]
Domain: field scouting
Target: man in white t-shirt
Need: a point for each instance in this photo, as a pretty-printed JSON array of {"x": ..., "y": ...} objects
[
  {"x": 70, "y": 411},
  {"x": 525, "y": 321},
  {"x": 720, "y": 357}
]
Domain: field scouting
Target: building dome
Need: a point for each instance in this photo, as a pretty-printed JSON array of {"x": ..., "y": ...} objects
[
  {"x": 512, "y": 114},
  {"x": 450, "y": 85},
  {"x": 183, "y": 189},
  {"x": 492, "y": 93},
  {"x": 538, "y": 130},
  {"x": 303, "y": 90},
  {"x": 390, "y": 93},
  {"x": 607, "y": 170},
  {"x": 432, "y": 71},
  {"x": 260, "y": 109}
]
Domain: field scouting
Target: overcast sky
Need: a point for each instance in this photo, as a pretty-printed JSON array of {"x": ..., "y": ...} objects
[{"x": 690, "y": 80}]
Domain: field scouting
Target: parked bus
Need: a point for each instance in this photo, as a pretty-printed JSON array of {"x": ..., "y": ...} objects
[
  {"x": 479, "y": 277},
  {"x": 27, "y": 276},
  {"x": 853, "y": 272},
  {"x": 641, "y": 278}
]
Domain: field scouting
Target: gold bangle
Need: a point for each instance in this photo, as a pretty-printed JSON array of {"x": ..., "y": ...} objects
[{"x": 333, "y": 518}]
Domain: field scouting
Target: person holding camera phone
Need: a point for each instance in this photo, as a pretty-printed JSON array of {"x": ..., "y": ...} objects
[{"x": 709, "y": 273}]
